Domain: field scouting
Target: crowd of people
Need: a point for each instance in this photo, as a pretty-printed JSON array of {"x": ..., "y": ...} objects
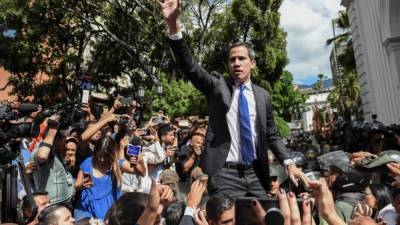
[{"x": 230, "y": 168}]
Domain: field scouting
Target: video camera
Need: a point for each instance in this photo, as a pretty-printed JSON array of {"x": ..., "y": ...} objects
[
  {"x": 70, "y": 114},
  {"x": 16, "y": 122}
]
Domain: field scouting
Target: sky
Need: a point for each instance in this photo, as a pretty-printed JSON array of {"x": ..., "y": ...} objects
[{"x": 308, "y": 26}]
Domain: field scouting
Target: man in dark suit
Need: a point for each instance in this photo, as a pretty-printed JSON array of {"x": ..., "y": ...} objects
[{"x": 241, "y": 125}]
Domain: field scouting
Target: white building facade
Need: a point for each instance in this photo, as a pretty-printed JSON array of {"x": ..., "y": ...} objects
[{"x": 375, "y": 29}]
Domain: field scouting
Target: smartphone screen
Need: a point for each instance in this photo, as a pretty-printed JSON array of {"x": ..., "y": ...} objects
[
  {"x": 85, "y": 96},
  {"x": 133, "y": 150}
]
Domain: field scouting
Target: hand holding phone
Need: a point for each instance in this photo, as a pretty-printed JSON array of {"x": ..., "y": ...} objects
[
  {"x": 87, "y": 180},
  {"x": 133, "y": 152}
]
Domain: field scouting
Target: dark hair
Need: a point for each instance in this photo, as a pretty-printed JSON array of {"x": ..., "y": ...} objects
[
  {"x": 107, "y": 148},
  {"x": 127, "y": 209},
  {"x": 174, "y": 213},
  {"x": 217, "y": 205},
  {"x": 47, "y": 215},
  {"x": 236, "y": 44},
  {"x": 382, "y": 195},
  {"x": 164, "y": 129}
]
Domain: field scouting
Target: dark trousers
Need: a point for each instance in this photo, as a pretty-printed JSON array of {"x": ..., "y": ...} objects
[{"x": 236, "y": 183}]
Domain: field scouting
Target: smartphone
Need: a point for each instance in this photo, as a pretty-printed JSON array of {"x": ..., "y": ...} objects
[
  {"x": 158, "y": 120},
  {"x": 183, "y": 123},
  {"x": 133, "y": 150},
  {"x": 126, "y": 101},
  {"x": 85, "y": 96},
  {"x": 246, "y": 216}
]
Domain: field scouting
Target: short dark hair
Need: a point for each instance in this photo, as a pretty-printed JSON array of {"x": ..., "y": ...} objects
[
  {"x": 127, "y": 209},
  {"x": 164, "y": 129},
  {"x": 47, "y": 215},
  {"x": 217, "y": 205},
  {"x": 236, "y": 44},
  {"x": 174, "y": 213}
]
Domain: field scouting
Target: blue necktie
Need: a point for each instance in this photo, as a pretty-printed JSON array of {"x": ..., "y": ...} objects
[{"x": 246, "y": 138}]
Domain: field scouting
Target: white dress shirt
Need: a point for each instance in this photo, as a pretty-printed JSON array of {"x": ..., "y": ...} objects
[{"x": 232, "y": 117}]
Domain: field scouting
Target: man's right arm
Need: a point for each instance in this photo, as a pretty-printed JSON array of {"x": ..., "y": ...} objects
[{"x": 199, "y": 77}]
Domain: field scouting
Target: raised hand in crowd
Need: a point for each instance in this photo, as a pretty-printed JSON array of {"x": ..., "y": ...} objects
[
  {"x": 89, "y": 115},
  {"x": 48, "y": 141},
  {"x": 170, "y": 10},
  {"x": 394, "y": 171},
  {"x": 325, "y": 203},
  {"x": 200, "y": 217},
  {"x": 135, "y": 165},
  {"x": 159, "y": 196},
  {"x": 196, "y": 194},
  {"x": 91, "y": 130},
  {"x": 361, "y": 210},
  {"x": 288, "y": 208}
]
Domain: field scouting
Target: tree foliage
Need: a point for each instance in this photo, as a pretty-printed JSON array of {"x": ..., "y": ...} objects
[
  {"x": 287, "y": 101},
  {"x": 346, "y": 94},
  {"x": 125, "y": 39}
]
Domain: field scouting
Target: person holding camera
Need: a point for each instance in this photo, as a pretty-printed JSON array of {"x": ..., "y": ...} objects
[
  {"x": 189, "y": 155},
  {"x": 52, "y": 174}
]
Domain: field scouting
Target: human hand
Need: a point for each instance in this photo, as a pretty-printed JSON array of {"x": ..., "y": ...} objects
[
  {"x": 296, "y": 174},
  {"x": 290, "y": 210},
  {"x": 394, "y": 169},
  {"x": 112, "y": 118},
  {"x": 170, "y": 151},
  {"x": 324, "y": 199},
  {"x": 361, "y": 210},
  {"x": 359, "y": 156},
  {"x": 117, "y": 103},
  {"x": 200, "y": 217},
  {"x": 170, "y": 10},
  {"x": 166, "y": 195},
  {"x": 87, "y": 181},
  {"x": 195, "y": 194}
]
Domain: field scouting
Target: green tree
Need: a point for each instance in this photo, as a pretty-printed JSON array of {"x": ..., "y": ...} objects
[
  {"x": 345, "y": 96},
  {"x": 125, "y": 39},
  {"x": 285, "y": 98}
]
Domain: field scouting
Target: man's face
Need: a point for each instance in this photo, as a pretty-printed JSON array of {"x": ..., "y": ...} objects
[
  {"x": 42, "y": 201},
  {"x": 197, "y": 140},
  {"x": 169, "y": 137},
  {"x": 70, "y": 149},
  {"x": 227, "y": 218},
  {"x": 240, "y": 64},
  {"x": 274, "y": 186},
  {"x": 64, "y": 217}
]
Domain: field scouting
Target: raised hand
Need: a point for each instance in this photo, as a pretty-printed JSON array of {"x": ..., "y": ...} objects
[{"x": 170, "y": 11}]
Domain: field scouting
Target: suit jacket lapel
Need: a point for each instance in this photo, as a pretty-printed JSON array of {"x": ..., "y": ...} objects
[{"x": 261, "y": 111}]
